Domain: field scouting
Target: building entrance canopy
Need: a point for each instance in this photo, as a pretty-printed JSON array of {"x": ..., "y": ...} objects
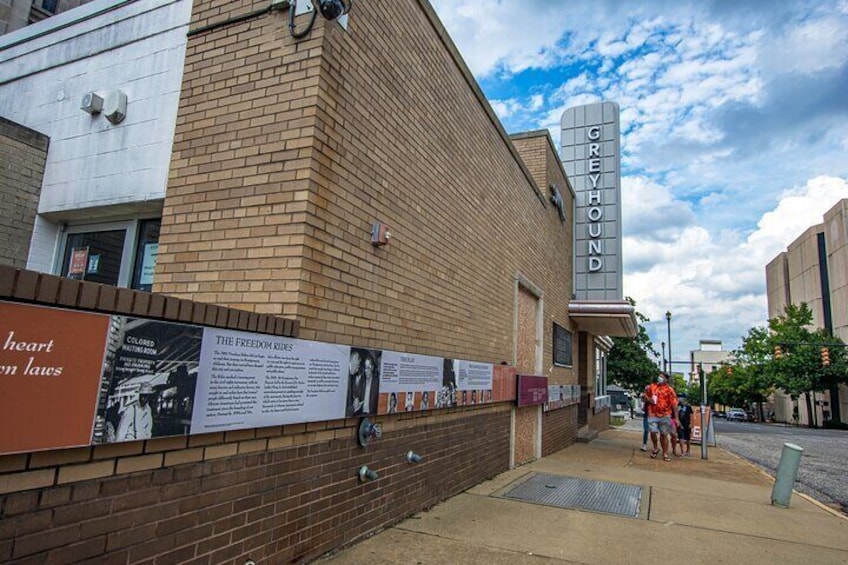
[{"x": 604, "y": 317}]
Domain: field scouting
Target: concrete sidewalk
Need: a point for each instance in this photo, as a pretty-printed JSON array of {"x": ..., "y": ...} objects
[{"x": 693, "y": 511}]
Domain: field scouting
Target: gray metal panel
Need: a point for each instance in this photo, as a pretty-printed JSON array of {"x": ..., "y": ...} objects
[{"x": 570, "y": 492}]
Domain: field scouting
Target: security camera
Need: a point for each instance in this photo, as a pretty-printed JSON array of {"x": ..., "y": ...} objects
[
  {"x": 334, "y": 9},
  {"x": 92, "y": 103}
]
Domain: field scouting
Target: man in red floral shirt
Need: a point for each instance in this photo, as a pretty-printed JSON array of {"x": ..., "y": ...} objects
[{"x": 662, "y": 408}]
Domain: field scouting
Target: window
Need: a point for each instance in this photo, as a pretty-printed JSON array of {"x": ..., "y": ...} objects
[
  {"x": 49, "y": 5},
  {"x": 146, "y": 251},
  {"x": 562, "y": 346},
  {"x": 94, "y": 256},
  {"x": 600, "y": 372},
  {"x": 115, "y": 253}
]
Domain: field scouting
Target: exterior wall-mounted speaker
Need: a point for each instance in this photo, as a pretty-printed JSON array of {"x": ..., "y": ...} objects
[{"x": 92, "y": 103}]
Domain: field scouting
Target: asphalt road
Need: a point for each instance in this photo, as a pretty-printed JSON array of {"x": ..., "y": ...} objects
[{"x": 823, "y": 473}]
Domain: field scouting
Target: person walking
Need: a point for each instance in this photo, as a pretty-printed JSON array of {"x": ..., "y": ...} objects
[
  {"x": 644, "y": 400},
  {"x": 662, "y": 407},
  {"x": 684, "y": 429}
]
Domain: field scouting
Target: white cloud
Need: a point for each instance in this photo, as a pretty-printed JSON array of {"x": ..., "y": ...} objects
[
  {"x": 723, "y": 106},
  {"x": 713, "y": 283},
  {"x": 505, "y": 108},
  {"x": 799, "y": 208},
  {"x": 516, "y": 107},
  {"x": 536, "y": 102},
  {"x": 526, "y": 33},
  {"x": 807, "y": 49}
]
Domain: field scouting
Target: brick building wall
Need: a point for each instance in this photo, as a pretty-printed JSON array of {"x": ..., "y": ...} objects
[
  {"x": 559, "y": 428},
  {"x": 235, "y": 216},
  {"x": 599, "y": 421},
  {"x": 272, "y": 494},
  {"x": 287, "y": 152},
  {"x": 23, "y": 152}
]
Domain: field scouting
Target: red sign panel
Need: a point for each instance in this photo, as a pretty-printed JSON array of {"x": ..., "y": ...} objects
[
  {"x": 697, "y": 429},
  {"x": 51, "y": 361},
  {"x": 79, "y": 261},
  {"x": 532, "y": 390}
]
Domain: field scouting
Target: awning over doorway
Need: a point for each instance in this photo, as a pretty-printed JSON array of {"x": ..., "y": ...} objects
[{"x": 604, "y": 317}]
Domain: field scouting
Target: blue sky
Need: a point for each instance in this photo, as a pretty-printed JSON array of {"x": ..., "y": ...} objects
[{"x": 734, "y": 118}]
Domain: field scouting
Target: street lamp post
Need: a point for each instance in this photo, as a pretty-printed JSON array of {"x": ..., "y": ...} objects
[
  {"x": 668, "y": 324},
  {"x": 663, "y": 350}
]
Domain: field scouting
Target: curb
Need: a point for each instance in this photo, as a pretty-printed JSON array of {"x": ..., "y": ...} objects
[
  {"x": 806, "y": 497},
  {"x": 821, "y": 505}
]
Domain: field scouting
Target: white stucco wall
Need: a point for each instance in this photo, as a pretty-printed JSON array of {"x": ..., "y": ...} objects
[{"x": 96, "y": 169}]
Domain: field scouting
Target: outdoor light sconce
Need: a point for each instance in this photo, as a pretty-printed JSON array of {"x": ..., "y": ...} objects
[
  {"x": 331, "y": 10},
  {"x": 366, "y": 474},
  {"x": 412, "y": 457},
  {"x": 556, "y": 200},
  {"x": 380, "y": 234},
  {"x": 368, "y": 430}
]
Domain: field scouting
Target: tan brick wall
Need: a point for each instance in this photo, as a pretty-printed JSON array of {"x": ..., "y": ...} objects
[
  {"x": 23, "y": 153},
  {"x": 286, "y": 153},
  {"x": 235, "y": 216},
  {"x": 526, "y": 434}
]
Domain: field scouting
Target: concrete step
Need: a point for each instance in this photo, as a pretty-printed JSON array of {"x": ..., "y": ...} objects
[{"x": 586, "y": 434}]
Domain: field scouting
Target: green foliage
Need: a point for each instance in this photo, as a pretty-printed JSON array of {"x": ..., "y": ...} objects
[
  {"x": 678, "y": 382},
  {"x": 750, "y": 379},
  {"x": 800, "y": 367},
  {"x": 693, "y": 391},
  {"x": 630, "y": 364},
  {"x": 756, "y": 372}
]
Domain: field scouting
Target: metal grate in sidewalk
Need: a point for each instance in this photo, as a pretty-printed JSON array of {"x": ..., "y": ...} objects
[{"x": 584, "y": 494}]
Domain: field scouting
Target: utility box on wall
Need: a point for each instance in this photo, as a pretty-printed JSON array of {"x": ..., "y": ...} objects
[{"x": 380, "y": 234}]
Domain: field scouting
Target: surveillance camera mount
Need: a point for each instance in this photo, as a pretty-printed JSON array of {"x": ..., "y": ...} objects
[{"x": 331, "y": 10}]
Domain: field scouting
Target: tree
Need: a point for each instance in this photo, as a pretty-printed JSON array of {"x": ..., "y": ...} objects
[
  {"x": 727, "y": 388},
  {"x": 800, "y": 369},
  {"x": 754, "y": 380},
  {"x": 630, "y": 364}
]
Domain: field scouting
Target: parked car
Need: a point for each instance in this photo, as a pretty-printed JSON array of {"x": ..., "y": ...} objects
[
  {"x": 719, "y": 414},
  {"x": 737, "y": 414}
]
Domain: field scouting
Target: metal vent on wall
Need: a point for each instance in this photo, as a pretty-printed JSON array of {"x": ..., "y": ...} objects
[{"x": 583, "y": 494}]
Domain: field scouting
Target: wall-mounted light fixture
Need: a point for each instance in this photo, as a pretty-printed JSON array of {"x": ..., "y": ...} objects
[
  {"x": 556, "y": 199},
  {"x": 412, "y": 457},
  {"x": 331, "y": 10}
]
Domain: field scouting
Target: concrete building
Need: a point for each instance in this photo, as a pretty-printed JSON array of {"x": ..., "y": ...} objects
[
  {"x": 709, "y": 355},
  {"x": 103, "y": 183},
  {"x": 814, "y": 270},
  {"x": 15, "y": 14},
  {"x": 235, "y": 164}
]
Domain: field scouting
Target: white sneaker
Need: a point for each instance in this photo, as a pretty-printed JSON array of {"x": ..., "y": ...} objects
[{"x": 643, "y": 448}]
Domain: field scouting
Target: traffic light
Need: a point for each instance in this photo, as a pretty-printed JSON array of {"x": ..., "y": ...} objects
[
  {"x": 778, "y": 353},
  {"x": 825, "y": 353}
]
